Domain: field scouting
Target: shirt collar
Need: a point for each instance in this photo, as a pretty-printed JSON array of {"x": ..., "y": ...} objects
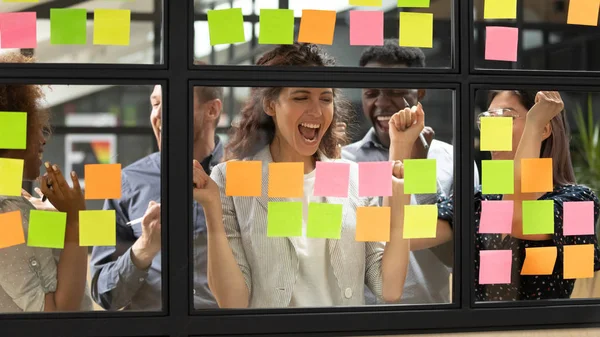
[
  {"x": 214, "y": 158},
  {"x": 370, "y": 140}
]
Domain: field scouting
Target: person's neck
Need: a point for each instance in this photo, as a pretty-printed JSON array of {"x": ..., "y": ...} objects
[
  {"x": 204, "y": 147},
  {"x": 283, "y": 154}
]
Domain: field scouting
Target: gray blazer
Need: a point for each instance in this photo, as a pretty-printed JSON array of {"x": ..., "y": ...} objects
[{"x": 270, "y": 265}]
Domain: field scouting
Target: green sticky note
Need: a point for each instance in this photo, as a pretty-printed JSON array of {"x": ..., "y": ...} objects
[
  {"x": 496, "y": 133},
  {"x": 68, "y": 26},
  {"x": 324, "y": 221},
  {"x": 366, "y": 3},
  {"x": 112, "y": 27},
  {"x": 97, "y": 228},
  {"x": 497, "y": 177},
  {"x": 284, "y": 219},
  {"x": 538, "y": 217},
  {"x": 13, "y": 130},
  {"x": 420, "y": 176},
  {"x": 276, "y": 26},
  {"x": 420, "y": 221},
  {"x": 226, "y": 26},
  {"x": 416, "y": 30},
  {"x": 414, "y": 3},
  {"x": 11, "y": 177},
  {"x": 47, "y": 229},
  {"x": 500, "y": 9}
]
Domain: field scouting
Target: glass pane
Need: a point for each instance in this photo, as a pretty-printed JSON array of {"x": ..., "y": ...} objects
[{"x": 536, "y": 229}]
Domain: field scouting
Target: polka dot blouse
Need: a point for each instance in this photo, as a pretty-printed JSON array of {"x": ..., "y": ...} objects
[{"x": 529, "y": 287}]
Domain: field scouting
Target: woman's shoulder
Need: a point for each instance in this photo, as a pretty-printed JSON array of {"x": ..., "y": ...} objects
[
  {"x": 9, "y": 204},
  {"x": 572, "y": 192}
]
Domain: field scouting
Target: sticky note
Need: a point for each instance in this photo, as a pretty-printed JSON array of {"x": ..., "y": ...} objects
[
  {"x": 501, "y": 43},
  {"x": 496, "y": 217},
  {"x": 583, "y": 12},
  {"x": 420, "y": 176},
  {"x": 11, "y": 177},
  {"x": 286, "y": 180},
  {"x": 47, "y": 229},
  {"x": 375, "y": 179},
  {"x": 18, "y": 30},
  {"x": 13, "y": 130},
  {"x": 226, "y": 26},
  {"x": 317, "y": 26},
  {"x": 276, "y": 26},
  {"x": 495, "y": 266},
  {"x": 97, "y": 228},
  {"x": 373, "y": 224},
  {"x": 366, "y": 28},
  {"x": 102, "y": 181},
  {"x": 243, "y": 179},
  {"x": 500, "y": 9},
  {"x": 11, "y": 226},
  {"x": 366, "y": 3},
  {"x": 416, "y": 30},
  {"x": 284, "y": 219},
  {"x": 538, "y": 217},
  {"x": 68, "y": 26},
  {"x": 331, "y": 179},
  {"x": 413, "y": 3},
  {"x": 578, "y": 261},
  {"x": 112, "y": 27},
  {"x": 497, "y": 177},
  {"x": 496, "y": 134},
  {"x": 420, "y": 221},
  {"x": 539, "y": 261},
  {"x": 536, "y": 175},
  {"x": 324, "y": 221},
  {"x": 578, "y": 218}
]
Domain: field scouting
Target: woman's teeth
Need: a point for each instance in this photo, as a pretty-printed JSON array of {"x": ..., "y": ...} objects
[{"x": 311, "y": 126}]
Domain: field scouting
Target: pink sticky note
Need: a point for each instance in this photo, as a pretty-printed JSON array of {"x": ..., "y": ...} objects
[
  {"x": 578, "y": 218},
  {"x": 19, "y": 30},
  {"x": 375, "y": 179},
  {"x": 495, "y": 266},
  {"x": 496, "y": 217},
  {"x": 366, "y": 28},
  {"x": 501, "y": 43},
  {"x": 331, "y": 179}
]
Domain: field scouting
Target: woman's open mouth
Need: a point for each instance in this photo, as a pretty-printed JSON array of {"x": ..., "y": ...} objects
[{"x": 309, "y": 131}]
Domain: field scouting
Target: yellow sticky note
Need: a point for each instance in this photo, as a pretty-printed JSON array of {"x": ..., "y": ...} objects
[
  {"x": 366, "y": 3},
  {"x": 583, "y": 12},
  {"x": 286, "y": 180},
  {"x": 416, "y": 30},
  {"x": 420, "y": 221},
  {"x": 11, "y": 177},
  {"x": 243, "y": 179},
  {"x": 112, "y": 27},
  {"x": 97, "y": 228},
  {"x": 500, "y": 9},
  {"x": 578, "y": 262},
  {"x": 496, "y": 133},
  {"x": 539, "y": 261}
]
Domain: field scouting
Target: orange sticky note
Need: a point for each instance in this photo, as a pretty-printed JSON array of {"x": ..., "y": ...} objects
[
  {"x": 12, "y": 229},
  {"x": 539, "y": 261},
  {"x": 536, "y": 175},
  {"x": 578, "y": 261},
  {"x": 373, "y": 224},
  {"x": 286, "y": 180},
  {"x": 317, "y": 26},
  {"x": 102, "y": 181},
  {"x": 243, "y": 179},
  {"x": 583, "y": 12}
]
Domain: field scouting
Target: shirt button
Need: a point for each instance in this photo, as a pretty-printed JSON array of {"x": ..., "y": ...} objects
[
  {"x": 34, "y": 263},
  {"x": 348, "y": 293},
  {"x": 141, "y": 279},
  {"x": 194, "y": 291}
]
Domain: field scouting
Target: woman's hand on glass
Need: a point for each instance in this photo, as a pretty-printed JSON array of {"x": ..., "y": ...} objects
[
  {"x": 548, "y": 104},
  {"x": 39, "y": 203},
  {"x": 64, "y": 197},
  {"x": 206, "y": 191}
]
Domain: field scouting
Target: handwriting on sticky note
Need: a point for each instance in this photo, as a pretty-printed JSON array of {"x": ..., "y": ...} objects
[
  {"x": 226, "y": 26},
  {"x": 496, "y": 216},
  {"x": 286, "y": 180},
  {"x": 496, "y": 133},
  {"x": 18, "y": 30},
  {"x": 578, "y": 261},
  {"x": 416, "y": 30},
  {"x": 375, "y": 179},
  {"x": 583, "y": 12},
  {"x": 47, "y": 229},
  {"x": 373, "y": 224},
  {"x": 420, "y": 176},
  {"x": 112, "y": 27},
  {"x": 366, "y": 3},
  {"x": 578, "y": 218},
  {"x": 243, "y": 179},
  {"x": 501, "y": 43},
  {"x": 331, "y": 179},
  {"x": 97, "y": 228},
  {"x": 284, "y": 219},
  {"x": 495, "y": 266},
  {"x": 11, "y": 226},
  {"x": 324, "y": 221},
  {"x": 317, "y": 26},
  {"x": 68, "y": 26},
  {"x": 497, "y": 177},
  {"x": 366, "y": 28},
  {"x": 102, "y": 181},
  {"x": 276, "y": 26},
  {"x": 11, "y": 177},
  {"x": 536, "y": 175},
  {"x": 539, "y": 261},
  {"x": 414, "y": 3},
  {"x": 420, "y": 221},
  {"x": 13, "y": 130},
  {"x": 500, "y": 9},
  {"x": 538, "y": 217}
]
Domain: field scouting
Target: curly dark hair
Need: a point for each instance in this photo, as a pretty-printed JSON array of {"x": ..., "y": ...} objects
[
  {"x": 391, "y": 53},
  {"x": 256, "y": 129}
]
